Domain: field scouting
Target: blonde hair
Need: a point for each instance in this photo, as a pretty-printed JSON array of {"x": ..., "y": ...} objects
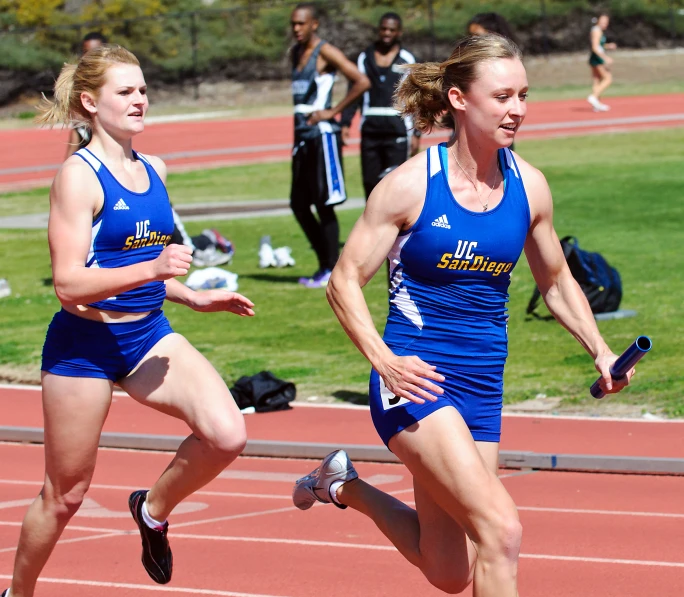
[
  {"x": 86, "y": 76},
  {"x": 422, "y": 94}
]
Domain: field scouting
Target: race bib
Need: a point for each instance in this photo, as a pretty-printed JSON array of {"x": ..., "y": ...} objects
[{"x": 389, "y": 400}]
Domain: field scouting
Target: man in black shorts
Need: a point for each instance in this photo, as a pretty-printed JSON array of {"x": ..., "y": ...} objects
[
  {"x": 317, "y": 177},
  {"x": 387, "y": 139}
]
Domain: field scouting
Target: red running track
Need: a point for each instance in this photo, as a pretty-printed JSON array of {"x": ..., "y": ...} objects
[
  {"x": 585, "y": 534},
  {"x": 589, "y": 535},
  {"x": 31, "y": 157},
  {"x": 548, "y": 435}
]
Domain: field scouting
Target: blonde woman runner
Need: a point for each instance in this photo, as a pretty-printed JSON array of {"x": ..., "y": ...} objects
[
  {"x": 110, "y": 222},
  {"x": 453, "y": 221}
]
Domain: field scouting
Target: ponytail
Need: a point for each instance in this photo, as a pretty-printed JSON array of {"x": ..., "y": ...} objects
[
  {"x": 58, "y": 109},
  {"x": 420, "y": 95}
]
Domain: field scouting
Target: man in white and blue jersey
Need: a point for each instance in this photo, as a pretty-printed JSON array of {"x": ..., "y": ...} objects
[
  {"x": 387, "y": 139},
  {"x": 317, "y": 177}
]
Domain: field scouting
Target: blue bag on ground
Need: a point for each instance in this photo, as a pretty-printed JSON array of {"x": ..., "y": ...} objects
[{"x": 599, "y": 281}]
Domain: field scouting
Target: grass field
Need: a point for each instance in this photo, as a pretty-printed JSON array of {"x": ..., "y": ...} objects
[{"x": 619, "y": 194}]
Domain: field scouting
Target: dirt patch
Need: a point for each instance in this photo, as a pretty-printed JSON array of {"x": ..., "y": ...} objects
[{"x": 22, "y": 374}]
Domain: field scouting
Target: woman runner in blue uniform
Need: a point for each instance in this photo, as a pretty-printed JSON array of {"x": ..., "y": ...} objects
[
  {"x": 453, "y": 221},
  {"x": 109, "y": 228}
]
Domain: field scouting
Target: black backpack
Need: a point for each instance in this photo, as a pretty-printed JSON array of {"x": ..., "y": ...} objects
[
  {"x": 264, "y": 391},
  {"x": 599, "y": 281}
]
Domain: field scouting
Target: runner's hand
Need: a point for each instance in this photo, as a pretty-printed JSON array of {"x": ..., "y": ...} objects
[
  {"x": 320, "y": 116},
  {"x": 607, "y": 383},
  {"x": 174, "y": 261},
  {"x": 213, "y": 301},
  {"x": 410, "y": 377},
  {"x": 345, "y": 135}
]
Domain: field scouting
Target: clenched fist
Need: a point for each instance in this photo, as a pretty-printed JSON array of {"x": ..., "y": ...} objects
[{"x": 174, "y": 261}]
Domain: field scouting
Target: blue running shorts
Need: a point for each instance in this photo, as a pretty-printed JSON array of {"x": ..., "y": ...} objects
[
  {"x": 78, "y": 347},
  {"x": 476, "y": 395}
]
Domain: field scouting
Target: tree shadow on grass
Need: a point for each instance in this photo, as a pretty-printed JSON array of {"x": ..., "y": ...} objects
[{"x": 352, "y": 397}]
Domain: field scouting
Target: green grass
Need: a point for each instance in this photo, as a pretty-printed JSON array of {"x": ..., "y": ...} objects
[
  {"x": 617, "y": 89},
  {"x": 619, "y": 194},
  {"x": 251, "y": 182}
]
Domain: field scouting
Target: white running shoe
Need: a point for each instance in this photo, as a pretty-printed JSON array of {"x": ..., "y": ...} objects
[
  {"x": 593, "y": 100},
  {"x": 602, "y": 107},
  {"x": 209, "y": 257},
  {"x": 315, "y": 487},
  {"x": 283, "y": 257},
  {"x": 266, "y": 256}
]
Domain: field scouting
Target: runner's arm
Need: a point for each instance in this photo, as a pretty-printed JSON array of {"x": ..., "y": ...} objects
[
  {"x": 388, "y": 210},
  {"x": 559, "y": 289},
  {"x": 359, "y": 82},
  {"x": 596, "y": 35}
]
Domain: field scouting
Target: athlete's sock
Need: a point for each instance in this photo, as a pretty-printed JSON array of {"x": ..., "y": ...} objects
[
  {"x": 334, "y": 486},
  {"x": 149, "y": 521}
]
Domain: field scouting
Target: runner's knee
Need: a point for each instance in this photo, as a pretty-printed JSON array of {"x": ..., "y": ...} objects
[
  {"x": 501, "y": 537},
  {"x": 64, "y": 504},
  {"x": 225, "y": 436}
]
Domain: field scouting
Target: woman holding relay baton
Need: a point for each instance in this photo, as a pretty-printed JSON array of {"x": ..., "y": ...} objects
[{"x": 453, "y": 222}]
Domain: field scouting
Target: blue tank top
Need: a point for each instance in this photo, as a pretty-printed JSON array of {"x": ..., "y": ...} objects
[
  {"x": 130, "y": 228},
  {"x": 311, "y": 92},
  {"x": 451, "y": 271}
]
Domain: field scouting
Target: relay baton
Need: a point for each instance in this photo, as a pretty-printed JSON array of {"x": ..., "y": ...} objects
[{"x": 624, "y": 363}]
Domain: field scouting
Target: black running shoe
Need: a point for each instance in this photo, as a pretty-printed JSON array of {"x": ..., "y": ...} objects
[
  {"x": 156, "y": 554},
  {"x": 4, "y": 593}
]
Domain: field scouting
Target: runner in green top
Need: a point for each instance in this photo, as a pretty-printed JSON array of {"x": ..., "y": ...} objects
[{"x": 600, "y": 62}]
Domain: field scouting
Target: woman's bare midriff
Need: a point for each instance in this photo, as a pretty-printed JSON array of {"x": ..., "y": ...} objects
[{"x": 104, "y": 316}]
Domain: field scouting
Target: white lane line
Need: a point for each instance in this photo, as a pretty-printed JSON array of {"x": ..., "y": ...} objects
[
  {"x": 16, "y": 503},
  {"x": 156, "y": 588},
  {"x": 367, "y": 546},
  {"x": 75, "y": 540},
  {"x": 262, "y": 496},
  {"x": 234, "y": 517},
  {"x": 74, "y": 527},
  {"x": 129, "y": 488},
  {"x": 370, "y": 547},
  {"x": 536, "y": 556},
  {"x": 601, "y": 512},
  {"x": 244, "y": 475}
]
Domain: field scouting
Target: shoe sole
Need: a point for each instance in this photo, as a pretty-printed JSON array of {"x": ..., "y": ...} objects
[{"x": 133, "y": 507}]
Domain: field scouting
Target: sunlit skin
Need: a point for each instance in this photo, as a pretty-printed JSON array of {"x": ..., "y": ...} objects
[
  {"x": 495, "y": 103},
  {"x": 389, "y": 35},
  {"x": 90, "y": 44},
  {"x": 304, "y": 27},
  {"x": 476, "y": 29},
  {"x": 119, "y": 108}
]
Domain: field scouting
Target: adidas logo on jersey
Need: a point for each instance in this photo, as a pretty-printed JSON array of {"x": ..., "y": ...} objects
[
  {"x": 121, "y": 204},
  {"x": 442, "y": 222}
]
